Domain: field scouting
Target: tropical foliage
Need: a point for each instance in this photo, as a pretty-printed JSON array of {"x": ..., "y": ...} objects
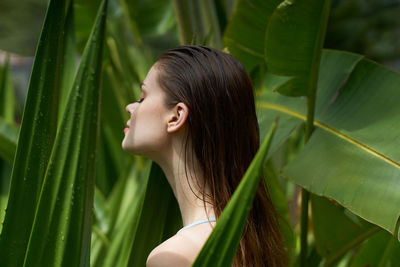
[{"x": 69, "y": 196}]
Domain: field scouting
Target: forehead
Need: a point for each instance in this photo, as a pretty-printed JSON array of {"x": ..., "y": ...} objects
[
  {"x": 151, "y": 77},
  {"x": 150, "y": 83}
]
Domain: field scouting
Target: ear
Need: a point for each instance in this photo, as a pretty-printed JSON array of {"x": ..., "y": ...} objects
[{"x": 177, "y": 117}]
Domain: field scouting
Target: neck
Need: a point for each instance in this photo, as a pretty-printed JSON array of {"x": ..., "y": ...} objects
[{"x": 191, "y": 207}]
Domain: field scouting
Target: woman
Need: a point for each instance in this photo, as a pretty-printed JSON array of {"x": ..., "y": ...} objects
[{"x": 196, "y": 118}]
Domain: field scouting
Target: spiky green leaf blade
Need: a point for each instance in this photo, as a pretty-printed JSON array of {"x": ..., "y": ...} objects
[
  {"x": 8, "y": 141},
  {"x": 8, "y": 135},
  {"x": 245, "y": 34},
  {"x": 123, "y": 228},
  {"x": 139, "y": 224},
  {"x": 281, "y": 203},
  {"x": 5, "y": 174},
  {"x": 293, "y": 43},
  {"x": 115, "y": 207},
  {"x": 159, "y": 218},
  {"x": 221, "y": 246},
  {"x": 69, "y": 58},
  {"x": 36, "y": 138},
  {"x": 63, "y": 220}
]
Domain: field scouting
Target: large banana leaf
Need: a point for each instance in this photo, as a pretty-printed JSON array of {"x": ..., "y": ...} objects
[
  {"x": 352, "y": 157},
  {"x": 221, "y": 246},
  {"x": 61, "y": 231},
  {"x": 36, "y": 137},
  {"x": 245, "y": 33},
  {"x": 294, "y": 39}
]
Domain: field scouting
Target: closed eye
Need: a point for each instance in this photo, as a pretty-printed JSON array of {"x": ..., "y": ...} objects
[{"x": 140, "y": 100}]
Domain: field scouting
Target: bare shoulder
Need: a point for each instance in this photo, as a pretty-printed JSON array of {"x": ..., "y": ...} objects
[
  {"x": 179, "y": 251},
  {"x": 167, "y": 258},
  {"x": 172, "y": 252}
]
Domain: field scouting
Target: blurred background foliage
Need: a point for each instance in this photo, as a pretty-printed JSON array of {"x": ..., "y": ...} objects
[
  {"x": 371, "y": 28},
  {"x": 137, "y": 32}
]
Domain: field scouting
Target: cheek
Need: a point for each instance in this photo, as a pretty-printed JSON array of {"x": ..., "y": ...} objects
[{"x": 147, "y": 131}]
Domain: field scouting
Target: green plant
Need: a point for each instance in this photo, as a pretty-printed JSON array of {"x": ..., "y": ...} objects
[{"x": 337, "y": 136}]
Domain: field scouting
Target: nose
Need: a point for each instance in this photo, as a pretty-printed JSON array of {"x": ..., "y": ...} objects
[{"x": 129, "y": 108}]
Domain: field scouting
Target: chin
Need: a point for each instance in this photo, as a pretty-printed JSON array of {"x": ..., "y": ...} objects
[{"x": 126, "y": 146}]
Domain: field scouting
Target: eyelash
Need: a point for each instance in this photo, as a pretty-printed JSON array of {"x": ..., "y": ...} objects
[{"x": 140, "y": 100}]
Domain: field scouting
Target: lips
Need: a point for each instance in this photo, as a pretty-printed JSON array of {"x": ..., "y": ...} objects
[{"x": 126, "y": 128}]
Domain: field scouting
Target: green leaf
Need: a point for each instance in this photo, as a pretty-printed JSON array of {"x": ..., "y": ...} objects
[
  {"x": 336, "y": 230},
  {"x": 245, "y": 33},
  {"x": 115, "y": 207},
  {"x": 8, "y": 140},
  {"x": 20, "y": 24},
  {"x": 147, "y": 214},
  {"x": 281, "y": 204},
  {"x": 7, "y": 96},
  {"x": 62, "y": 228},
  {"x": 5, "y": 174},
  {"x": 125, "y": 206},
  {"x": 381, "y": 249},
  {"x": 221, "y": 246},
  {"x": 352, "y": 156},
  {"x": 69, "y": 57},
  {"x": 152, "y": 17},
  {"x": 198, "y": 23},
  {"x": 159, "y": 218},
  {"x": 36, "y": 137},
  {"x": 293, "y": 43}
]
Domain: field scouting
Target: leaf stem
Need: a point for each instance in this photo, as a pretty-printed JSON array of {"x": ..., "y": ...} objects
[
  {"x": 305, "y": 195},
  {"x": 311, "y": 99}
]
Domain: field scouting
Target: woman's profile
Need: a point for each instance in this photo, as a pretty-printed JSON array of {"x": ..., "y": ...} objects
[{"x": 196, "y": 118}]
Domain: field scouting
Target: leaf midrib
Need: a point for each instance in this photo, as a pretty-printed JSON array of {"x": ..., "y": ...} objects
[{"x": 330, "y": 130}]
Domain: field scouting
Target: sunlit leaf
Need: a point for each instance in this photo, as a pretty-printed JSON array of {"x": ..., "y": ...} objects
[{"x": 352, "y": 156}]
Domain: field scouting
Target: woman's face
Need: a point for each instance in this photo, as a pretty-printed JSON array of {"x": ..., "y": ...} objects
[{"x": 146, "y": 130}]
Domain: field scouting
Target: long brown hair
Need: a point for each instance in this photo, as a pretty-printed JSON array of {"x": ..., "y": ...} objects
[{"x": 224, "y": 136}]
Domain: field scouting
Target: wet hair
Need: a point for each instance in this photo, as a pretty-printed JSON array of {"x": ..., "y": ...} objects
[{"x": 223, "y": 135}]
